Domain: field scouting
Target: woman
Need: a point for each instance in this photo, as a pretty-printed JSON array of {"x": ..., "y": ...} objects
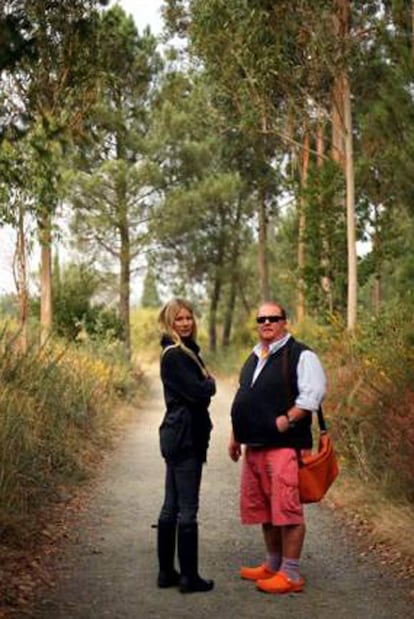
[{"x": 184, "y": 438}]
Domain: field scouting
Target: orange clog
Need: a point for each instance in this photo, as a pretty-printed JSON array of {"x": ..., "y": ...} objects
[
  {"x": 261, "y": 572},
  {"x": 280, "y": 583}
]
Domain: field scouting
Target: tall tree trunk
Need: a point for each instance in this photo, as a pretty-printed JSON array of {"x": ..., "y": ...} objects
[
  {"x": 300, "y": 312},
  {"x": 326, "y": 284},
  {"x": 125, "y": 249},
  {"x": 262, "y": 251},
  {"x": 214, "y": 301},
  {"x": 244, "y": 298},
  {"x": 45, "y": 239},
  {"x": 376, "y": 293},
  {"x": 342, "y": 146},
  {"x": 20, "y": 276},
  {"x": 234, "y": 259},
  {"x": 337, "y": 117},
  {"x": 350, "y": 209},
  {"x": 124, "y": 286},
  {"x": 229, "y": 313},
  {"x": 412, "y": 29}
]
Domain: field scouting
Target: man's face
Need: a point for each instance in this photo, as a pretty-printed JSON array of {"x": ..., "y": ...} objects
[{"x": 270, "y": 331}]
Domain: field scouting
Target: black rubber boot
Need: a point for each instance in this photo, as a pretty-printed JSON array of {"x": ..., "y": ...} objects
[
  {"x": 167, "y": 575},
  {"x": 190, "y": 581}
]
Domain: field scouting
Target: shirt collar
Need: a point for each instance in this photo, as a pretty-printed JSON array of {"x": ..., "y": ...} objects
[{"x": 274, "y": 346}]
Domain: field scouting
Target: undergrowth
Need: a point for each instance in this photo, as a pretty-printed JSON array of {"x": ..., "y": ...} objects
[{"x": 57, "y": 406}]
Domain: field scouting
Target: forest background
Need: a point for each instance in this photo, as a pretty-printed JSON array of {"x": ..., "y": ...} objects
[{"x": 243, "y": 154}]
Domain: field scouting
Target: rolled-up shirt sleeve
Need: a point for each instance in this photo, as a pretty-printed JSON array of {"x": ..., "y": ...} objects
[{"x": 311, "y": 381}]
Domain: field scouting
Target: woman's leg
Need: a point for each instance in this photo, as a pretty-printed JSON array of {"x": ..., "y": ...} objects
[
  {"x": 188, "y": 480},
  {"x": 169, "y": 509},
  {"x": 167, "y": 532}
]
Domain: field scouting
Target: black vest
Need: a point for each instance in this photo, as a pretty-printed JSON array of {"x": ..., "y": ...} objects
[{"x": 255, "y": 407}]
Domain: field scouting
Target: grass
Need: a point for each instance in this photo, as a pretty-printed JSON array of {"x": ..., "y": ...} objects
[
  {"x": 385, "y": 525},
  {"x": 57, "y": 416}
]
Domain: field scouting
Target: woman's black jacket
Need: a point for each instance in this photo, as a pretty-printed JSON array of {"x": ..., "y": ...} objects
[{"x": 186, "y": 427}]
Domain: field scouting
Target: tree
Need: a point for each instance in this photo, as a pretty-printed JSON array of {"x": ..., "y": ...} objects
[
  {"x": 197, "y": 227},
  {"x": 116, "y": 184},
  {"x": 150, "y": 296},
  {"x": 276, "y": 64},
  {"x": 54, "y": 85}
]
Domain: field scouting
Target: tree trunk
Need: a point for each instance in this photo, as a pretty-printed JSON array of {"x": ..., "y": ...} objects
[
  {"x": 342, "y": 126},
  {"x": 229, "y": 313},
  {"x": 376, "y": 293},
  {"x": 412, "y": 29},
  {"x": 124, "y": 287},
  {"x": 337, "y": 115},
  {"x": 20, "y": 277},
  {"x": 350, "y": 209},
  {"x": 214, "y": 301},
  {"x": 45, "y": 239},
  {"x": 262, "y": 251},
  {"x": 235, "y": 277},
  {"x": 326, "y": 284},
  {"x": 300, "y": 312}
]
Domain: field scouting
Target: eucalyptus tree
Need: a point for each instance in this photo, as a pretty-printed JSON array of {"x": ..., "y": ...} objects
[
  {"x": 277, "y": 64},
  {"x": 241, "y": 57},
  {"x": 113, "y": 192},
  {"x": 197, "y": 228},
  {"x": 258, "y": 55},
  {"x": 16, "y": 45},
  {"x": 54, "y": 86},
  {"x": 385, "y": 115},
  {"x": 15, "y": 197}
]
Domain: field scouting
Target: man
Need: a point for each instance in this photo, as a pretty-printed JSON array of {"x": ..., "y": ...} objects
[{"x": 281, "y": 384}]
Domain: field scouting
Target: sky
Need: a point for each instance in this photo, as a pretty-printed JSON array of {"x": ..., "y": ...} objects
[{"x": 144, "y": 12}]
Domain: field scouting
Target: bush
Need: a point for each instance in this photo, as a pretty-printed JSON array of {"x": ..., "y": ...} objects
[
  {"x": 145, "y": 334},
  {"x": 371, "y": 390},
  {"x": 56, "y": 414}
]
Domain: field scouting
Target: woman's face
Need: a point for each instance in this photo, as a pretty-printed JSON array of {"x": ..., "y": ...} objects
[{"x": 184, "y": 323}]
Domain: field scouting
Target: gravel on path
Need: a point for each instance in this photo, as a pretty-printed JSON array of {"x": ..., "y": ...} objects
[{"x": 109, "y": 567}]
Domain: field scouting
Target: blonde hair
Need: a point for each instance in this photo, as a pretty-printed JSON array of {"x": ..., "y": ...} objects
[{"x": 168, "y": 314}]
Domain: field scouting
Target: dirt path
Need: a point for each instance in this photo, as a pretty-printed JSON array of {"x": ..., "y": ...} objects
[{"x": 110, "y": 570}]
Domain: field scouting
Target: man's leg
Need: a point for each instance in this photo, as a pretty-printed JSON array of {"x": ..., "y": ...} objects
[
  {"x": 273, "y": 537},
  {"x": 255, "y": 508},
  {"x": 286, "y": 508},
  {"x": 292, "y": 543},
  {"x": 292, "y": 540},
  {"x": 273, "y": 542}
]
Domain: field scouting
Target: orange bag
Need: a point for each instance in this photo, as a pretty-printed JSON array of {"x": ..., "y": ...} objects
[{"x": 318, "y": 470}]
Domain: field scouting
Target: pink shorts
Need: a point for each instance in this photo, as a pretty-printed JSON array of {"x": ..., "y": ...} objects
[{"x": 269, "y": 487}]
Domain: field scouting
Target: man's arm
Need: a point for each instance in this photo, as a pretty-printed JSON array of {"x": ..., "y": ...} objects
[
  {"x": 235, "y": 449},
  {"x": 311, "y": 387}
]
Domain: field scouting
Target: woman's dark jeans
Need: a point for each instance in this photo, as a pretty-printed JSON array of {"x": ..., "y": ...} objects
[{"x": 182, "y": 490}]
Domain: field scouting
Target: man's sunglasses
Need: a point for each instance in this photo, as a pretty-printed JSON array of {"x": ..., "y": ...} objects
[{"x": 262, "y": 319}]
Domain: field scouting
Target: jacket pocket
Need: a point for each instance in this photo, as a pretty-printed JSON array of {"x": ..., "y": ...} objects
[{"x": 175, "y": 433}]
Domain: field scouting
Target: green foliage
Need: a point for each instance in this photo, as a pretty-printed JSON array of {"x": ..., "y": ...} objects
[
  {"x": 77, "y": 312},
  {"x": 145, "y": 334},
  {"x": 8, "y": 306},
  {"x": 150, "y": 296},
  {"x": 56, "y": 414},
  {"x": 371, "y": 391}
]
